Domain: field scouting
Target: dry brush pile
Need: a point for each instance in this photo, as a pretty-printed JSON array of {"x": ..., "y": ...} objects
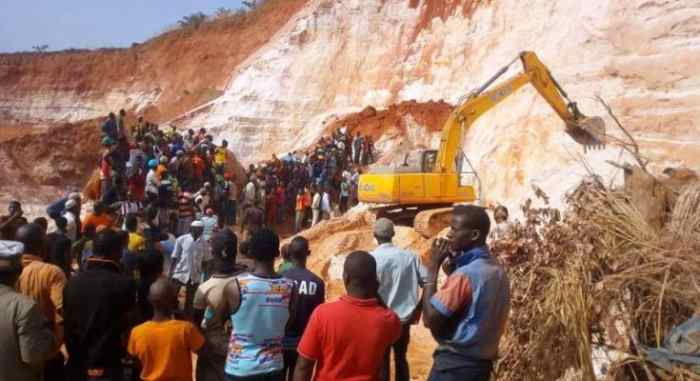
[{"x": 597, "y": 276}]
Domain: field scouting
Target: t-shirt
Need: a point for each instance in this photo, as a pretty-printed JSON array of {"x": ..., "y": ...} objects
[
  {"x": 136, "y": 242},
  {"x": 310, "y": 292},
  {"x": 97, "y": 220},
  {"x": 165, "y": 349},
  {"x": 220, "y": 156},
  {"x": 44, "y": 283},
  {"x": 476, "y": 297},
  {"x": 349, "y": 338}
]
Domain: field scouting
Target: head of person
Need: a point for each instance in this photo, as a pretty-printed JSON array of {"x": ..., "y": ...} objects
[
  {"x": 15, "y": 208},
  {"x": 152, "y": 163},
  {"x": 131, "y": 222},
  {"x": 163, "y": 296},
  {"x": 224, "y": 248},
  {"x": 469, "y": 227},
  {"x": 111, "y": 116},
  {"x": 224, "y": 143},
  {"x": 190, "y": 132},
  {"x": 122, "y": 112},
  {"x": 61, "y": 223},
  {"x": 500, "y": 214},
  {"x": 299, "y": 251},
  {"x": 196, "y": 229},
  {"x": 360, "y": 275},
  {"x": 108, "y": 244},
  {"x": 264, "y": 245},
  {"x": 384, "y": 230},
  {"x": 43, "y": 222},
  {"x": 33, "y": 237},
  {"x": 10, "y": 262},
  {"x": 209, "y": 212}
]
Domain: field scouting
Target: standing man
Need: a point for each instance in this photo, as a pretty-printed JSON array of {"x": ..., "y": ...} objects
[
  {"x": 186, "y": 266},
  {"x": 357, "y": 148},
  {"x": 347, "y": 339},
  {"x": 59, "y": 246},
  {"x": 316, "y": 208},
  {"x": 309, "y": 292},
  {"x": 44, "y": 283},
  {"x": 400, "y": 275},
  {"x": 10, "y": 223},
  {"x": 100, "y": 303},
  {"x": 25, "y": 340},
  {"x": 326, "y": 206},
  {"x": 212, "y": 359},
  {"x": 468, "y": 315},
  {"x": 259, "y": 305}
]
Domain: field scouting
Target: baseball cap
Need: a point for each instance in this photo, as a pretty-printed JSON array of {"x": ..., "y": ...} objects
[{"x": 11, "y": 256}]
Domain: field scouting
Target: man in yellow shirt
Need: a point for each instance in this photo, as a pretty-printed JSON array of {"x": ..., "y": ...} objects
[
  {"x": 220, "y": 156},
  {"x": 164, "y": 346}
]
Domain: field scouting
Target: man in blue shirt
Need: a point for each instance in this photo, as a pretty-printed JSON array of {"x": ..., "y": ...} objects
[
  {"x": 468, "y": 315},
  {"x": 400, "y": 274}
]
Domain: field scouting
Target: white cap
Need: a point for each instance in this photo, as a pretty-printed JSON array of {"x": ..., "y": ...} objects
[
  {"x": 70, "y": 203},
  {"x": 197, "y": 224}
]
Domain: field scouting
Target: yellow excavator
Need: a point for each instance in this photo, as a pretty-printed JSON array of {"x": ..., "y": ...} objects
[{"x": 421, "y": 192}]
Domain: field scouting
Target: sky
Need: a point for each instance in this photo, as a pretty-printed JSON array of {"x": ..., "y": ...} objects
[{"x": 89, "y": 24}]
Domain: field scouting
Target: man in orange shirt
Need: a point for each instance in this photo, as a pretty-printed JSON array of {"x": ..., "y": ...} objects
[
  {"x": 302, "y": 204},
  {"x": 44, "y": 283},
  {"x": 99, "y": 217},
  {"x": 164, "y": 346}
]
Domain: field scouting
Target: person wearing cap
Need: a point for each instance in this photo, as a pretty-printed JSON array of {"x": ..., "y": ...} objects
[
  {"x": 212, "y": 358},
  {"x": 186, "y": 267},
  {"x": 400, "y": 275},
  {"x": 43, "y": 282},
  {"x": 152, "y": 181},
  {"x": 72, "y": 214},
  {"x": 26, "y": 341},
  {"x": 13, "y": 221}
]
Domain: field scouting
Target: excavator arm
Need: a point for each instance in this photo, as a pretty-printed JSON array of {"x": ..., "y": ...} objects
[{"x": 586, "y": 131}]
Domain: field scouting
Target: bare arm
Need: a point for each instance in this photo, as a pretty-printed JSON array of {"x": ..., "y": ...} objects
[
  {"x": 432, "y": 318},
  {"x": 304, "y": 369}
]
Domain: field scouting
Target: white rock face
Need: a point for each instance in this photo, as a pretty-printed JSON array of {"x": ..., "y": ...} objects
[{"x": 338, "y": 56}]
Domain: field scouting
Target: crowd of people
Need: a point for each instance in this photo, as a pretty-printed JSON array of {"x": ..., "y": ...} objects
[{"x": 161, "y": 268}]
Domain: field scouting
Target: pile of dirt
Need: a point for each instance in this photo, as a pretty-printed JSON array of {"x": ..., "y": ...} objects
[
  {"x": 392, "y": 120},
  {"x": 331, "y": 241},
  {"x": 41, "y": 163}
]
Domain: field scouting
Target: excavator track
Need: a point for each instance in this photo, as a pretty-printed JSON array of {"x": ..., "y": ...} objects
[{"x": 428, "y": 220}]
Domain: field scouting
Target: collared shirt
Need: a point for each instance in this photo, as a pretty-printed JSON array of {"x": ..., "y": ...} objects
[
  {"x": 97, "y": 302},
  {"x": 188, "y": 255},
  {"x": 25, "y": 339},
  {"x": 477, "y": 295},
  {"x": 400, "y": 273},
  {"x": 44, "y": 283}
]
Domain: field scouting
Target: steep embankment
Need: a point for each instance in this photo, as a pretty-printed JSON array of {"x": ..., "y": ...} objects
[
  {"x": 164, "y": 76},
  {"x": 338, "y": 57}
]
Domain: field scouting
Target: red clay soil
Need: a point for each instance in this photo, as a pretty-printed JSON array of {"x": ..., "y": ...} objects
[
  {"x": 40, "y": 164},
  {"x": 188, "y": 66},
  {"x": 369, "y": 121}
]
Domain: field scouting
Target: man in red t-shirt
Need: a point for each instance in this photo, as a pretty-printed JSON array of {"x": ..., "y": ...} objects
[{"x": 347, "y": 339}]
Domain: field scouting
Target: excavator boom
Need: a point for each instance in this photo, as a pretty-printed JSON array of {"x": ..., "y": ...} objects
[{"x": 424, "y": 195}]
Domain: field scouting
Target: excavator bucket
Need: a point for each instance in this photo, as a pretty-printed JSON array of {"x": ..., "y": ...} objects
[{"x": 589, "y": 132}]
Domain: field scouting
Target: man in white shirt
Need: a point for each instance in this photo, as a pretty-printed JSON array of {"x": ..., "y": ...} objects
[
  {"x": 316, "y": 208},
  {"x": 326, "y": 207},
  {"x": 186, "y": 266},
  {"x": 71, "y": 214}
]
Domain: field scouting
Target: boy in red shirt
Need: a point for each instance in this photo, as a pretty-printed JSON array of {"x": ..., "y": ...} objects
[{"x": 347, "y": 339}]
